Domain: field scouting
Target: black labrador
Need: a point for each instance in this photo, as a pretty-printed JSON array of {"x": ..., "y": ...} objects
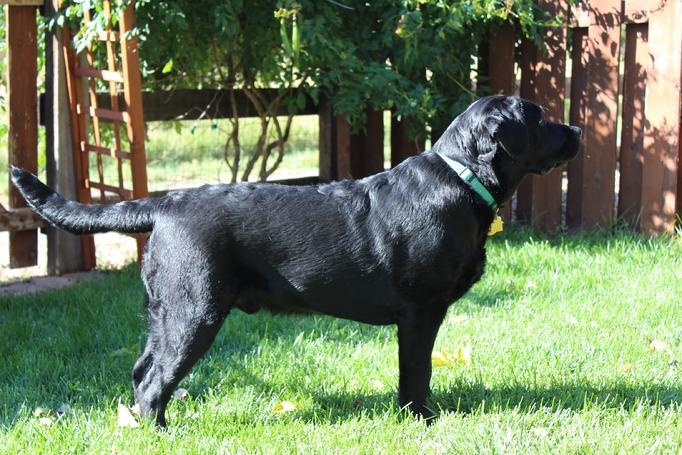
[{"x": 398, "y": 247}]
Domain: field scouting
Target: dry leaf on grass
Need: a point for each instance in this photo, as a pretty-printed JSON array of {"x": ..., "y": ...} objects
[
  {"x": 464, "y": 354},
  {"x": 442, "y": 359},
  {"x": 283, "y": 406},
  {"x": 658, "y": 345},
  {"x": 378, "y": 385},
  {"x": 41, "y": 412},
  {"x": 626, "y": 368},
  {"x": 126, "y": 418},
  {"x": 46, "y": 421}
]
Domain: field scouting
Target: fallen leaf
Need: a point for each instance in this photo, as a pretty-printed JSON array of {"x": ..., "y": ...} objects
[
  {"x": 442, "y": 359},
  {"x": 464, "y": 354},
  {"x": 180, "y": 394},
  {"x": 657, "y": 345},
  {"x": 41, "y": 412},
  {"x": 540, "y": 432},
  {"x": 571, "y": 319},
  {"x": 46, "y": 421},
  {"x": 378, "y": 385},
  {"x": 126, "y": 418},
  {"x": 283, "y": 406},
  {"x": 456, "y": 319},
  {"x": 626, "y": 368}
]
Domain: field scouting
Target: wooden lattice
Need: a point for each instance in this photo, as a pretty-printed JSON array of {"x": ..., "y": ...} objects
[{"x": 90, "y": 114}]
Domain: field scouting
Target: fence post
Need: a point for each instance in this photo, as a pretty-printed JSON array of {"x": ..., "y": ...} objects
[
  {"x": 334, "y": 143},
  {"x": 632, "y": 133},
  {"x": 596, "y": 205},
  {"x": 579, "y": 60},
  {"x": 660, "y": 184},
  {"x": 367, "y": 148},
  {"x": 22, "y": 94},
  {"x": 63, "y": 249},
  {"x": 543, "y": 81},
  {"x": 402, "y": 146},
  {"x": 496, "y": 72}
]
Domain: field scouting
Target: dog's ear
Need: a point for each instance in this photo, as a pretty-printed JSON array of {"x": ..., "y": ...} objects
[{"x": 512, "y": 136}]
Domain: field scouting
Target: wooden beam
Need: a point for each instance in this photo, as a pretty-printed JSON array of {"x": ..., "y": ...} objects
[
  {"x": 632, "y": 132},
  {"x": 20, "y": 220},
  {"x": 367, "y": 147},
  {"x": 22, "y": 55},
  {"x": 63, "y": 248},
  {"x": 539, "y": 197},
  {"x": 597, "y": 205},
  {"x": 662, "y": 113},
  {"x": 402, "y": 146},
  {"x": 22, "y": 2},
  {"x": 334, "y": 140},
  {"x": 496, "y": 65},
  {"x": 579, "y": 61}
]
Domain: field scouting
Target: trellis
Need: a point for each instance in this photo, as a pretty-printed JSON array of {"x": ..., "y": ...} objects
[{"x": 87, "y": 116}]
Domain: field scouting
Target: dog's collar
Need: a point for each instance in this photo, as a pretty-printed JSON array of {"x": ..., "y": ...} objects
[{"x": 470, "y": 179}]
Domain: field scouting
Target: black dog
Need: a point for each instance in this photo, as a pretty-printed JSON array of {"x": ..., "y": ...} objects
[{"x": 395, "y": 248}]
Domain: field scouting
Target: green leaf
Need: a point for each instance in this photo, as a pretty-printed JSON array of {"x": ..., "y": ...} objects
[{"x": 168, "y": 67}]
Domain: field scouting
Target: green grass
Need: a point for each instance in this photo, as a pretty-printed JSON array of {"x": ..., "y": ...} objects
[{"x": 550, "y": 326}]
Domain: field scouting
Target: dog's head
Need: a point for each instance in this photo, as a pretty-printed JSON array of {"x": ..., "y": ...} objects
[{"x": 511, "y": 132}]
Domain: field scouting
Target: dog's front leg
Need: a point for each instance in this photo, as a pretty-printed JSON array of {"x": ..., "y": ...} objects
[{"x": 417, "y": 332}]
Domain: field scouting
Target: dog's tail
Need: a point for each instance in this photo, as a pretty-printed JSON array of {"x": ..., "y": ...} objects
[{"x": 127, "y": 216}]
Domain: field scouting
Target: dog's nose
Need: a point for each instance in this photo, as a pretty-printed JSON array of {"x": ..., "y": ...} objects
[{"x": 577, "y": 131}]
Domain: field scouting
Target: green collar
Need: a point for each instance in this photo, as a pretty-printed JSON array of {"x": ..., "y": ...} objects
[{"x": 470, "y": 179}]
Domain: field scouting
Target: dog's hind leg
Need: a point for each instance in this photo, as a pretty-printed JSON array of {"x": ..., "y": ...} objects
[
  {"x": 416, "y": 334},
  {"x": 180, "y": 332}
]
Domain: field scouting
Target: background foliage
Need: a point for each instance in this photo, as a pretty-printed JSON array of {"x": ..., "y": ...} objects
[{"x": 412, "y": 56}]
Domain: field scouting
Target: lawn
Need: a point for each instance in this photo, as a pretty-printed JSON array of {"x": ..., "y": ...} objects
[{"x": 560, "y": 331}]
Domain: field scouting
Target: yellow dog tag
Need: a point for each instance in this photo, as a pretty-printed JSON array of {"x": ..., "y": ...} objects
[{"x": 496, "y": 226}]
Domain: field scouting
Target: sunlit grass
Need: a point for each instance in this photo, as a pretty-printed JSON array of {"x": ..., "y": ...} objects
[{"x": 550, "y": 326}]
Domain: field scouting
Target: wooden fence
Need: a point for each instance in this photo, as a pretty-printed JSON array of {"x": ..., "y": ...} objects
[
  {"x": 639, "y": 180},
  {"x": 613, "y": 72}
]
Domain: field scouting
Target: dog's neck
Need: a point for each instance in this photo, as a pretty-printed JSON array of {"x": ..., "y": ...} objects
[{"x": 501, "y": 177}]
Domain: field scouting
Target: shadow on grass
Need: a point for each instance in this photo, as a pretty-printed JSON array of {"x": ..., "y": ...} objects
[{"x": 475, "y": 398}]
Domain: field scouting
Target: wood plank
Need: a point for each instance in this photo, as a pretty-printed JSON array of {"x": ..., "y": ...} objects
[
  {"x": 599, "y": 165},
  {"x": 63, "y": 248},
  {"x": 367, "y": 147},
  {"x": 578, "y": 94},
  {"x": 636, "y": 11},
  {"x": 22, "y": 94},
  {"x": 19, "y": 220},
  {"x": 188, "y": 104},
  {"x": 402, "y": 146},
  {"x": 101, "y": 113},
  {"x": 132, "y": 90},
  {"x": 547, "y": 70},
  {"x": 334, "y": 143},
  {"x": 122, "y": 192},
  {"x": 105, "y": 75},
  {"x": 632, "y": 136},
  {"x": 500, "y": 51},
  {"x": 105, "y": 151},
  {"x": 22, "y": 2},
  {"x": 78, "y": 133},
  {"x": 662, "y": 113}
]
